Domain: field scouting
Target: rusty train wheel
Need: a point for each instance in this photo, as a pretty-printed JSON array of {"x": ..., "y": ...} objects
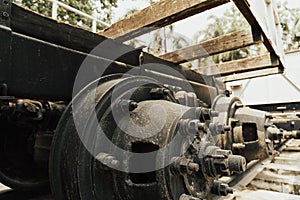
[{"x": 99, "y": 171}]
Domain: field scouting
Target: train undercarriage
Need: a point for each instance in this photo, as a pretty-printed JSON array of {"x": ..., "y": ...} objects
[
  {"x": 131, "y": 131},
  {"x": 131, "y": 138}
]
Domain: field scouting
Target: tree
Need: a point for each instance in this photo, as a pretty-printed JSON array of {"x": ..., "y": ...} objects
[
  {"x": 290, "y": 23},
  {"x": 232, "y": 20},
  {"x": 159, "y": 41},
  {"x": 101, "y": 8},
  {"x": 165, "y": 40}
]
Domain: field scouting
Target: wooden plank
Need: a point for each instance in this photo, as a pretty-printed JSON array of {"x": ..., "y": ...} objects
[
  {"x": 242, "y": 180},
  {"x": 278, "y": 177},
  {"x": 251, "y": 74},
  {"x": 293, "y": 148},
  {"x": 211, "y": 47},
  {"x": 242, "y": 65},
  {"x": 263, "y": 195},
  {"x": 270, "y": 185},
  {"x": 290, "y": 168},
  {"x": 256, "y": 21},
  {"x": 158, "y": 15},
  {"x": 286, "y": 160}
]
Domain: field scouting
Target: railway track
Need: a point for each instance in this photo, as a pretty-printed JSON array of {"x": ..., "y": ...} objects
[{"x": 277, "y": 177}]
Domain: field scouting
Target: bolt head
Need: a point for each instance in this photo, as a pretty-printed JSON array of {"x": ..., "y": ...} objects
[
  {"x": 132, "y": 105},
  {"x": 5, "y": 15},
  {"x": 214, "y": 113}
]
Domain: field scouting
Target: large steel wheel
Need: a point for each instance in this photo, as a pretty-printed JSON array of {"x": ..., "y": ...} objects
[{"x": 81, "y": 168}]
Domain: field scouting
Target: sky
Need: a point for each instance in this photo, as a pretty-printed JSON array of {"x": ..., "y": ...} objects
[{"x": 187, "y": 27}]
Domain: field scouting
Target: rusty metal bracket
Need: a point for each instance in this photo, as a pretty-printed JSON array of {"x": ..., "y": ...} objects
[{"x": 5, "y": 12}]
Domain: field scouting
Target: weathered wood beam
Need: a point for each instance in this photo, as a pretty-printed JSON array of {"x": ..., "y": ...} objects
[
  {"x": 242, "y": 65},
  {"x": 251, "y": 74},
  {"x": 257, "y": 21},
  {"x": 211, "y": 47},
  {"x": 158, "y": 15}
]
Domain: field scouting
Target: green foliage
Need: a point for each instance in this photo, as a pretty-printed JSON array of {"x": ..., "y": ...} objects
[
  {"x": 165, "y": 39},
  {"x": 177, "y": 40},
  {"x": 40, "y": 6},
  {"x": 290, "y": 23},
  {"x": 232, "y": 20},
  {"x": 72, "y": 18},
  {"x": 157, "y": 43},
  {"x": 99, "y": 8}
]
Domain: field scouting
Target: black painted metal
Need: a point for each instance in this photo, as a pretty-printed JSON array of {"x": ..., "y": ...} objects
[
  {"x": 5, "y": 12},
  {"x": 5, "y": 56},
  {"x": 36, "y": 26},
  {"x": 36, "y": 69},
  {"x": 278, "y": 107},
  {"x": 97, "y": 180}
]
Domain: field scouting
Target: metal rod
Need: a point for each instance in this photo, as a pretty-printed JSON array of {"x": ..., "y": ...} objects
[
  {"x": 54, "y": 9},
  {"x": 77, "y": 12}
]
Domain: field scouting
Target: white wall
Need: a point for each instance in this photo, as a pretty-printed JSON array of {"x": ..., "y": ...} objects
[{"x": 271, "y": 89}]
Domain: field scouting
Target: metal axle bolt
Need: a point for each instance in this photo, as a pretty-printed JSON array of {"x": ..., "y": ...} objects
[
  {"x": 237, "y": 163},
  {"x": 182, "y": 165},
  {"x": 222, "y": 162},
  {"x": 132, "y": 105},
  {"x": 190, "y": 126},
  {"x": 126, "y": 105},
  {"x": 214, "y": 113},
  {"x": 221, "y": 189}
]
